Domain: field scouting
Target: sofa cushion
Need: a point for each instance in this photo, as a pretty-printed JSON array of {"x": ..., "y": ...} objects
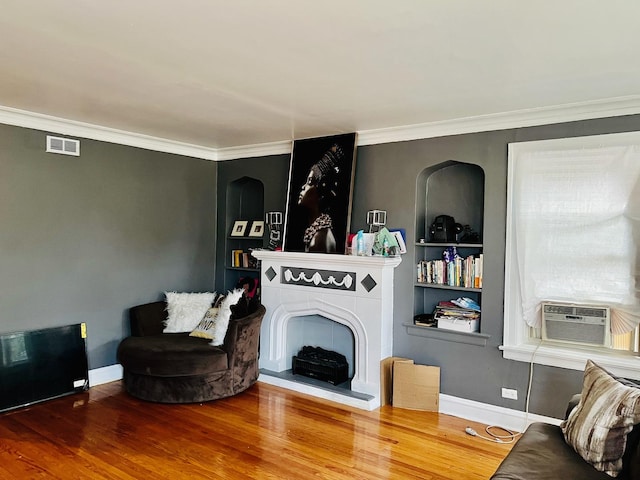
[
  {"x": 208, "y": 326},
  {"x": 215, "y": 323},
  {"x": 185, "y": 310},
  {"x": 598, "y": 427},
  {"x": 148, "y": 319},
  {"x": 541, "y": 453},
  {"x": 171, "y": 355}
]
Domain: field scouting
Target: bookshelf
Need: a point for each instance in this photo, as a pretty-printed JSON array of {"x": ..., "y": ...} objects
[
  {"x": 456, "y": 189},
  {"x": 245, "y": 201}
]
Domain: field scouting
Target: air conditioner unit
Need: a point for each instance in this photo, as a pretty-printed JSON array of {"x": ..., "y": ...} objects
[{"x": 578, "y": 324}]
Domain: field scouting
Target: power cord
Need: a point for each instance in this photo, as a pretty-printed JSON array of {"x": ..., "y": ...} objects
[
  {"x": 492, "y": 437},
  {"x": 511, "y": 435},
  {"x": 526, "y": 407}
]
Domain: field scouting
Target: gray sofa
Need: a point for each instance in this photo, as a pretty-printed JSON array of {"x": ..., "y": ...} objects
[{"x": 542, "y": 454}]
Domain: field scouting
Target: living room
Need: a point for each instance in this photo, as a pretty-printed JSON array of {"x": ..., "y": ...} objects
[{"x": 89, "y": 237}]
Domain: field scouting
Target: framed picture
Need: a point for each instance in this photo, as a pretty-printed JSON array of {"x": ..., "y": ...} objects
[
  {"x": 257, "y": 228},
  {"x": 319, "y": 195},
  {"x": 239, "y": 228}
]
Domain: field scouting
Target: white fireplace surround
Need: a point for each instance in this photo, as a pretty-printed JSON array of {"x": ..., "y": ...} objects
[{"x": 354, "y": 291}]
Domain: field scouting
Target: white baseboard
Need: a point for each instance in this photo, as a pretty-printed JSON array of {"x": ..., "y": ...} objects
[
  {"x": 449, "y": 405},
  {"x": 107, "y": 374},
  {"x": 491, "y": 414}
]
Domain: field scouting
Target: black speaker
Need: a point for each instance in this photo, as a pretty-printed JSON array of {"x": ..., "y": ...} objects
[{"x": 444, "y": 229}]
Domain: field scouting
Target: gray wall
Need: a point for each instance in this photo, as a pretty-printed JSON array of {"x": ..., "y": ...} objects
[
  {"x": 82, "y": 239},
  {"x": 386, "y": 179}
]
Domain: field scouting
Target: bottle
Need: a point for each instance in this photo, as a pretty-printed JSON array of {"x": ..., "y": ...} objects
[{"x": 360, "y": 243}]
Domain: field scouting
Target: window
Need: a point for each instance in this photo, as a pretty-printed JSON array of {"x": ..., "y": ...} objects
[{"x": 573, "y": 236}]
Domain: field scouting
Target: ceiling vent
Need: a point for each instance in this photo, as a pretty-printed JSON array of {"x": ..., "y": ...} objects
[{"x": 64, "y": 146}]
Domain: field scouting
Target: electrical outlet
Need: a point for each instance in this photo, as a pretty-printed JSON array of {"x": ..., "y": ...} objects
[{"x": 510, "y": 393}]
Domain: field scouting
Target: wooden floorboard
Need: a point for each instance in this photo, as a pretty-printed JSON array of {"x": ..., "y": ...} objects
[{"x": 264, "y": 433}]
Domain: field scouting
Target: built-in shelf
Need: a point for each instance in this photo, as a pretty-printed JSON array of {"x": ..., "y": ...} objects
[
  {"x": 446, "y": 287},
  {"x": 449, "y": 244},
  {"x": 452, "y": 189},
  {"x": 478, "y": 339},
  {"x": 245, "y": 201}
]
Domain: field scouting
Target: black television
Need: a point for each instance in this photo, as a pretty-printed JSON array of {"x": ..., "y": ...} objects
[{"x": 42, "y": 364}]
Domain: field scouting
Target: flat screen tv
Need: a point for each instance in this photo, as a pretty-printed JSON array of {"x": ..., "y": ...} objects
[{"x": 42, "y": 364}]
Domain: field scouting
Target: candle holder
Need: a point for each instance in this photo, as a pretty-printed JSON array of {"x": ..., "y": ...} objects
[
  {"x": 376, "y": 219},
  {"x": 274, "y": 222}
]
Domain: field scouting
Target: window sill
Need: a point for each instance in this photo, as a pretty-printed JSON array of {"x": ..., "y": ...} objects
[{"x": 620, "y": 364}]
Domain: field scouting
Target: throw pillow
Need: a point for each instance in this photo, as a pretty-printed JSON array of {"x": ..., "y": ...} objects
[
  {"x": 215, "y": 323},
  {"x": 597, "y": 427},
  {"x": 186, "y": 310}
]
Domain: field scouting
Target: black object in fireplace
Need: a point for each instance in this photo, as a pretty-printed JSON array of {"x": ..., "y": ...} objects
[{"x": 316, "y": 362}]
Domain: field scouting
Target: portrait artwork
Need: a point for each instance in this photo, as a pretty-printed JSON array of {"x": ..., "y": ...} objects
[{"x": 319, "y": 200}]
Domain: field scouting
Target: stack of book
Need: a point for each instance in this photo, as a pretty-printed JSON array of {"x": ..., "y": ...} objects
[
  {"x": 459, "y": 272},
  {"x": 242, "y": 259},
  {"x": 461, "y": 315}
]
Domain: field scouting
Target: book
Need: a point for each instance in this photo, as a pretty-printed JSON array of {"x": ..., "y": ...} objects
[{"x": 235, "y": 258}]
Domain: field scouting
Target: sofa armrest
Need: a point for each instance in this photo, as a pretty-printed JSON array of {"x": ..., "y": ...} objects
[
  {"x": 148, "y": 319},
  {"x": 572, "y": 404},
  {"x": 242, "y": 345}
]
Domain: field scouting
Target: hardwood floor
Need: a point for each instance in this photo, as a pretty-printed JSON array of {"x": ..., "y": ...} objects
[{"x": 265, "y": 433}]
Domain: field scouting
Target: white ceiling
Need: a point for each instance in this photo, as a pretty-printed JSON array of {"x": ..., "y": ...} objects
[{"x": 222, "y": 74}]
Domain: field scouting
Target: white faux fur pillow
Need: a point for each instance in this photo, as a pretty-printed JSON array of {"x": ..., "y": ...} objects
[
  {"x": 215, "y": 323},
  {"x": 186, "y": 310}
]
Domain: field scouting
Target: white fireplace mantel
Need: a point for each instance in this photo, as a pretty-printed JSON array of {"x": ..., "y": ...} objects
[{"x": 354, "y": 291}]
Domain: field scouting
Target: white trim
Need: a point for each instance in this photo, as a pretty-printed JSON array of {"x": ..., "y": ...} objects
[
  {"x": 449, "y": 405},
  {"x": 612, "y": 107},
  {"x": 517, "y": 344},
  {"x": 62, "y": 126},
  {"x": 515, "y": 420},
  {"x": 490, "y": 414},
  {"x": 110, "y": 373},
  {"x": 259, "y": 150},
  {"x": 574, "y": 358}
]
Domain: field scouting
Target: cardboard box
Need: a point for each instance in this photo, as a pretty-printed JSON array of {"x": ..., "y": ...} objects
[
  {"x": 459, "y": 325},
  {"x": 386, "y": 378},
  {"x": 416, "y": 387}
]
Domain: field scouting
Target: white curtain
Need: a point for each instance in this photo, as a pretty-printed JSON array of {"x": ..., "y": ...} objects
[{"x": 577, "y": 229}]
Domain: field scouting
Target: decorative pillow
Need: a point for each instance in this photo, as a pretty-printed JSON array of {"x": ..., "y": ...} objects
[
  {"x": 186, "y": 310},
  {"x": 216, "y": 321},
  {"x": 597, "y": 427}
]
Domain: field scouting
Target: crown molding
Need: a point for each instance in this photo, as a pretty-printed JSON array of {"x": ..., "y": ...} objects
[
  {"x": 258, "y": 150},
  {"x": 47, "y": 123},
  {"x": 613, "y": 107}
]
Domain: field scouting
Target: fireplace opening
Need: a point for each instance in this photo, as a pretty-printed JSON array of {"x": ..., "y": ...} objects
[
  {"x": 316, "y": 331},
  {"x": 325, "y": 365}
]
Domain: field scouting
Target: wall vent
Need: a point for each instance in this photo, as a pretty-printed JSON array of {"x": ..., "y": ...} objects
[{"x": 64, "y": 146}]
